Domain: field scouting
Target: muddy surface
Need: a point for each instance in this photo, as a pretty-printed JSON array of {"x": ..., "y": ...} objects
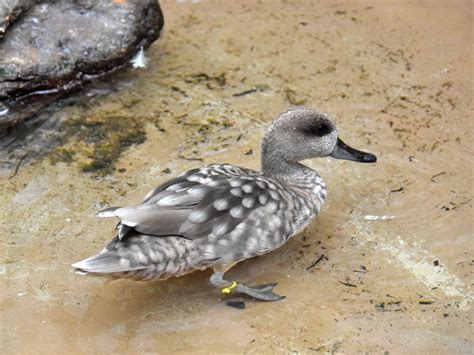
[{"x": 394, "y": 241}]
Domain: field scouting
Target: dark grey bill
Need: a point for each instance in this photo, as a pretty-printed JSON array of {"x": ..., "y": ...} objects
[{"x": 343, "y": 151}]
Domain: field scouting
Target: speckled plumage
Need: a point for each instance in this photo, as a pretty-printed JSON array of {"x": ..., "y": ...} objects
[{"x": 222, "y": 214}]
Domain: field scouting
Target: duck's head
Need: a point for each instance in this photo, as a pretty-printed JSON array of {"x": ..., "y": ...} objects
[{"x": 301, "y": 133}]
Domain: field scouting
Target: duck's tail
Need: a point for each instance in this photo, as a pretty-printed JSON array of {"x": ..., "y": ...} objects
[
  {"x": 143, "y": 257},
  {"x": 106, "y": 262}
]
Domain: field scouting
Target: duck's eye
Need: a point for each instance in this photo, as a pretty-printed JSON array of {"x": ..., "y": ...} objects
[{"x": 320, "y": 129}]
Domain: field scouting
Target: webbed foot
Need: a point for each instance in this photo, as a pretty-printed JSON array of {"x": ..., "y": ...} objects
[{"x": 259, "y": 292}]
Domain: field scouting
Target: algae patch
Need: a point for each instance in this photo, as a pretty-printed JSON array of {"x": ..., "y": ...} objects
[
  {"x": 96, "y": 135},
  {"x": 96, "y": 142}
]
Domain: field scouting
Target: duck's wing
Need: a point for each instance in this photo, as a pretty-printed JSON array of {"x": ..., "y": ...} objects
[{"x": 214, "y": 199}]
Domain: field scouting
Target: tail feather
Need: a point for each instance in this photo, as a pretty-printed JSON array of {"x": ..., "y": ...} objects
[
  {"x": 106, "y": 262},
  {"x": 108, "y": 212}
]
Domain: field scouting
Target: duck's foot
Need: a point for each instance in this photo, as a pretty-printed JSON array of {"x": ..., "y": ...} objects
[{"x": 260, "y": 292}]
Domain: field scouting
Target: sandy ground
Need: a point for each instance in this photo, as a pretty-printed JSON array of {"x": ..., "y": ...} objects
[{"x": 394, "y": 240}]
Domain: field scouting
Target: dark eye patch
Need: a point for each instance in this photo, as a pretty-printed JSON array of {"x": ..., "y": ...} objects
[{"x": 320, "y": 129}]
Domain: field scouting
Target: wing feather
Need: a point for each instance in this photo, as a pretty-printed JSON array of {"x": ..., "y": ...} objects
[{"x": 214, "y": 199}]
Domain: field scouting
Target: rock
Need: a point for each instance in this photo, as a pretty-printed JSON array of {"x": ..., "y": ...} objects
[{"x": 55, "y": 46}]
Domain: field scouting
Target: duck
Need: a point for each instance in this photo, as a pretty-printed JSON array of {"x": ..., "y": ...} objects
[{"x": 221, "y": 214}]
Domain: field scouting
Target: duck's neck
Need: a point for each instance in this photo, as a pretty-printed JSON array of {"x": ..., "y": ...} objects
[{"x": 295, "y": 174}]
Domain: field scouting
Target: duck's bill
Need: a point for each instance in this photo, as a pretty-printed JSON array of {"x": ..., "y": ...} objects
[{"x": 343, "y": 151}]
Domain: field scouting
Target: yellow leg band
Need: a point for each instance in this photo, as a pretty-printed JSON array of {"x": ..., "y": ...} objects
[{"x": 229, "y": 289}]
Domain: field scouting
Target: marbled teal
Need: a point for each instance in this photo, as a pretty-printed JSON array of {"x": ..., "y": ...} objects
[{"x": 221, "y": 214}]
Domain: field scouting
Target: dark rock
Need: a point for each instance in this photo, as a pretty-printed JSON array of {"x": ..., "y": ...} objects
[
  {"x": 55, "y": 46},
  {"x": 236, "y": 303}
]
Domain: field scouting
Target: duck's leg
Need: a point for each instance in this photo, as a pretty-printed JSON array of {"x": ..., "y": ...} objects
[{"x": 260, "y": 292}]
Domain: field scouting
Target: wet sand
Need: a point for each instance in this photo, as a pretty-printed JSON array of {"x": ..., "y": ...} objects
[{"x": 394, "y": 239}]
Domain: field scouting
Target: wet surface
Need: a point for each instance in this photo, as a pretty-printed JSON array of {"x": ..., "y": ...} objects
[{"x": 387, "y": 266}]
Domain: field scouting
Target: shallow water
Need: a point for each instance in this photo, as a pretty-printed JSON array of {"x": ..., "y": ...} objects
[{"x": 396, "y": 237}]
